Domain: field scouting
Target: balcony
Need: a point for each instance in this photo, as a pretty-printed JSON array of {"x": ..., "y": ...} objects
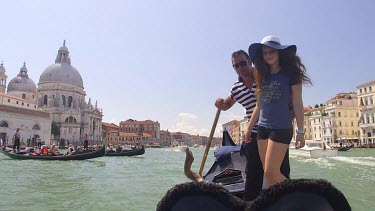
[{"x": 367, "y": 125}]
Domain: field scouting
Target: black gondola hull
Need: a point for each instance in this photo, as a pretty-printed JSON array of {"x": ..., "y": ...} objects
[
  {"x": 81, "y": 156},
  {"x": 133, "y": 152}
]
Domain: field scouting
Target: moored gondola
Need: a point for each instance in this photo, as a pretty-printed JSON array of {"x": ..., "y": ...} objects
[
  {"x": 77, "y": 156},
  {"x": 127, "y": 152}
]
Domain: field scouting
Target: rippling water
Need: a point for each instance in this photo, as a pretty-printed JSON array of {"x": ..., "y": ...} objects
[{"x": 138, "y": 183}]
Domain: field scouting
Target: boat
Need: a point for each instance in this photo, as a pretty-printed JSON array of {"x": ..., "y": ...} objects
[
  {"x": 297, "y": 194},
  {"x": 227, "y": 170},
  {"x": 346, "y": 148},
  {"x": 79, "y": 155},
  {"x": 127, "y": 152},
  {"x": 179, "y": 148},
  {"x": 313, "y": 149}
]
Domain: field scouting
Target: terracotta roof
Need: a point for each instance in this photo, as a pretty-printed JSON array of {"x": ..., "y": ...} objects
[
  {"x": 306, "y": 109},
  {"x": 24, "y": 111},
  {"x": 109, "y": 124}
]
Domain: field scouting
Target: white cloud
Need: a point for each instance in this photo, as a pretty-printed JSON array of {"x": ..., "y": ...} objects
[
  {"x": 187, "y": 115},
  {"x": 187, "y": 124}
]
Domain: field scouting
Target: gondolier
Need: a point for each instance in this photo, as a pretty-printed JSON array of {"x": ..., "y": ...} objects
[
  {"x": 85, "y": 142},
  {"x": 16, "y": 138}
]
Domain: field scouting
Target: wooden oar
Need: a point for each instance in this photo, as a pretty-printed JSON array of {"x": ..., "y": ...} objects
[{"x": 209, "y": 141}]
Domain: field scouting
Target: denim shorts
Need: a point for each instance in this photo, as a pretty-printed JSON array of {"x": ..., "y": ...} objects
[{"x": 283, "y": 136}]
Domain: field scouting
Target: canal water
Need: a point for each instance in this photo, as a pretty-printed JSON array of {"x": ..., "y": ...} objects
[{"x": 138, "y": 183}]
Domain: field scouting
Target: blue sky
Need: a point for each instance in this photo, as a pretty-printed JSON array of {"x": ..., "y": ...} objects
[{"x": 168, "y": 61}]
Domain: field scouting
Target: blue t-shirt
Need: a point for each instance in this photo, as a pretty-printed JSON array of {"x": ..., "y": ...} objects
[{"x": 275, "y": 96}]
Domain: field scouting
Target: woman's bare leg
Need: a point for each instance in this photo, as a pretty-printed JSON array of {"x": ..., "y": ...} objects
[
  {"x": 274, "y": 157},
  {"x": 262, "y": 148}
]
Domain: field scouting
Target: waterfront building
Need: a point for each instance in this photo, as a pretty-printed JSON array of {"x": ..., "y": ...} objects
[
  {"x": 306, "y": 124},
  {"x": 132, "y": 139},
  {"x": 179, "y": 138},
  {"x": 110, "y": 132},
  {"x": 18, "y": 110},
  {"x": 148, "y": 127},
  {"x": 234, "y": 130},
  {"x": 366, "y": 96},
  {"x": 340, "y": 118},
  {"x": 337, "y": 119},
  {"x": 61, "y": 92},
  {"x": 165, "y": 138}
]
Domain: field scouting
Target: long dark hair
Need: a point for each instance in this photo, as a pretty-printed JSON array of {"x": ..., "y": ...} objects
[{"x": 289, "y": 63}]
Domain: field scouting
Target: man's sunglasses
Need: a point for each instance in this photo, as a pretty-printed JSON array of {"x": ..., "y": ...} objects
[{"x": 241, "y": 63}]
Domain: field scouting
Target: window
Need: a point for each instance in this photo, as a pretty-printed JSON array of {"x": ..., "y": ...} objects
[
  {"x": 36, "y": 127},
  {"x": 70, "y": 100},
  {"x": 352, "y": 124},
  {"x": 45, "y": 100},
  {"x": 339, "y": 114},
  {"x": 365, "y": 90},
  {"x": 4, "y": 124},
  {"x": 339, "y": 123},
  {"x": 23, "y": 96},
  {"x": 8, "y": 100},
  {"x": 63, "y": 100}
]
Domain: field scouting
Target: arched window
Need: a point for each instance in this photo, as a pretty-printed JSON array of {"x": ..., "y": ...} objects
[
  {"x": 71, "y": 119},
  {"x": 4, "y": 124},
  {"x": 63, "y": 100},
  {"x": 70, "y": 100},
  {"x": 45, "y": 100},
  {"x": 36, "y": 127}
]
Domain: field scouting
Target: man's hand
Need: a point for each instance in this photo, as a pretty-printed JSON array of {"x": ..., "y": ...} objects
[{"x": 219, "y": 103}]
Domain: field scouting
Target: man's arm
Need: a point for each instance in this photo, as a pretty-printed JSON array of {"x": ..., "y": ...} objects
[{"x": 224, "y": 104}]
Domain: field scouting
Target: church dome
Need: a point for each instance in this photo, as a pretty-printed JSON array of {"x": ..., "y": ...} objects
[
  {"x": 62, "y": 71},
  {"x": 22, "y": 82}
]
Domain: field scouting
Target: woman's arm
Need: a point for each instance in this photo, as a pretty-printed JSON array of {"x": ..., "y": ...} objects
[
  {"x": 298, "y": 112},
  {"x": 253, "y": 120}
]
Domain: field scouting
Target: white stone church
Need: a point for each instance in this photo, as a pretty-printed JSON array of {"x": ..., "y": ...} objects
[{"x": 55, "y": 110}]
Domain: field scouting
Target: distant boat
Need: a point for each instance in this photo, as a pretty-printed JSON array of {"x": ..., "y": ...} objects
[
  {"x": 179, "y": 148},
  {"x": 342, "y": 149},
  {"x": 313, "y": 149},
  {"x": 127, "y": 152},
  {"x": 79, "y": 155}
]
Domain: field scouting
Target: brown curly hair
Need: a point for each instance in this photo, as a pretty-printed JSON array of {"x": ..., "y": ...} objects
[{"x": 289, "y": 63}]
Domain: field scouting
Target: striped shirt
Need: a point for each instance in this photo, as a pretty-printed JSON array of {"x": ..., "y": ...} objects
[{"x": 246, "y": 97}]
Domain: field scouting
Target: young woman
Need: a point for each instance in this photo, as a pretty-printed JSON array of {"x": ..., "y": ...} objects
[{"x": 279, "y": 75}]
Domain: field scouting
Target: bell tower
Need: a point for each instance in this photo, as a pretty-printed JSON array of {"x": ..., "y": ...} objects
[{"x": 3, "y": 78}]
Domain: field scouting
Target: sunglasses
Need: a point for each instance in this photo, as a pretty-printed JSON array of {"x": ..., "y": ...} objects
[{"x": 241, "y": 63}]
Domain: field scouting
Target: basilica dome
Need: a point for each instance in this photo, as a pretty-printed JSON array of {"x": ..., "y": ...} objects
[
  {"x": 22, "y": 82},
  {"x": 62, "y": 71}
]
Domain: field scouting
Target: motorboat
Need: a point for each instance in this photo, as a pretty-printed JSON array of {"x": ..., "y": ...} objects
[
  {"x": 313, "y": 149},
  {"x": 179, "y": 148}
]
